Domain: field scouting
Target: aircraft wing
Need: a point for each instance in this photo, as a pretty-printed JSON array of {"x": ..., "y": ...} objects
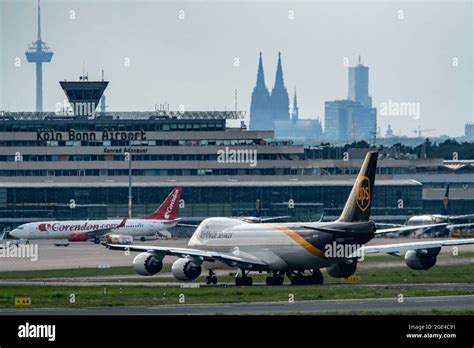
[
  {"x": 257, "y": 220},
  {"x": 102, "y": 231},
  {"x": 401, "y": 247},
  {"x": 454, "y": 226},
  {"x": 457, "y": 217},
  {"x": 187, "y": 225},
  {"x": 202, "y": 255},
  {"x": 408, "y": 228},
  {"x": 381, "y": 225}
]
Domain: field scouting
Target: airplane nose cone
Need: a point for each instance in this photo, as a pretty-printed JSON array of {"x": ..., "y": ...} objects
[{"x": 14, "y": 233}]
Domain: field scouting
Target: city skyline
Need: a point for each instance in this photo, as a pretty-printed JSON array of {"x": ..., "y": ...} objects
[{"x": 192, "y": 64}]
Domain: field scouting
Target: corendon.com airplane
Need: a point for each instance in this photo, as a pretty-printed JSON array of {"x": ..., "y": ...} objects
[
  {"x": 289, "y": 248},
  {"x": 79, "y": 230}
]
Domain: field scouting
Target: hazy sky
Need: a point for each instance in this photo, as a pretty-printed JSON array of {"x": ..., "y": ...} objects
[{"x": 190, "y": 61}]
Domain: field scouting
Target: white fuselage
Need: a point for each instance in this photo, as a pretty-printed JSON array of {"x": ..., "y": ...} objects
[
  {"x": 64, "y": 229},
  {"x": 426, "y": 219},
  {"x": 276, "y": 244}
]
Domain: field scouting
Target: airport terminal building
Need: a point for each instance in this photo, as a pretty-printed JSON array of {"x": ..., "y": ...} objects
[{"x": 66, "y": 166}]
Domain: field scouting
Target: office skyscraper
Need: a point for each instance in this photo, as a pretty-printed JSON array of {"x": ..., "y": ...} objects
[
  {"x": 358, "y": 89},
  {"x": 354, "y": 118}
]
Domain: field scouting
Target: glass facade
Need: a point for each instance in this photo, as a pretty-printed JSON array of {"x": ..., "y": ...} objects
[
  {"x": 42, "y": 170},
  {"x": 301, "y": 203}
]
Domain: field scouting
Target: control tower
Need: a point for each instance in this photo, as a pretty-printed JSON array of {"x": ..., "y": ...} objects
[
  {"x": 84, "y": 95},
  {"x": 39, "y": 53}
]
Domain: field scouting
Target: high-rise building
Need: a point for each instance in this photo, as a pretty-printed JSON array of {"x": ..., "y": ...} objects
[
  {"x": 260, "y": 113},
  {"x": 358, "y": 89},
  {"x": 279, "y": 100},
  {"x": 469, "y": 131},
  {"x": 348, "y": 121},
  {"x": 336, "y": 119},
  {"x": 354, "y": 118}
]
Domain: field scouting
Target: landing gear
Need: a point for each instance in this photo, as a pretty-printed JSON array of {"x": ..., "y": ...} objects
[
  {"x": 96, "y": 240},
  {"x": 275, "y": 279},
  {"x": 211, "y": 278},
  {"x": 244, "y": 280},
  {"x": 316, "y": 278},
  {"x": 142, "y": 239},
  {"x": 298, "y": 279}
]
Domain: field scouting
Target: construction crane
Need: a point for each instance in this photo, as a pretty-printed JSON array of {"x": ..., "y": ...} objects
[{"x": 419, "y": 131}]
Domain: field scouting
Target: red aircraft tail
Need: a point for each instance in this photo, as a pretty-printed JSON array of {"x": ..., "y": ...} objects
[{"x": 169, "y": 208}]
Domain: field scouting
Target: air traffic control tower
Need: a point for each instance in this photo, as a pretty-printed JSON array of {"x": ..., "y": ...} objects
[
  {"x": 39, "y": 53},
  {"x": 84, "y": 95}
]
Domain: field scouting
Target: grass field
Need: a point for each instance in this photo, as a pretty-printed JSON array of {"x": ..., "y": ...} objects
[
  {"x": 98, "y": 296},
  {"x": 59, "y": 296}
]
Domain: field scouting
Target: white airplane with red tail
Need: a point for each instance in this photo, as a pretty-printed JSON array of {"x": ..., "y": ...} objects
[{"x": 82, "y": 230}]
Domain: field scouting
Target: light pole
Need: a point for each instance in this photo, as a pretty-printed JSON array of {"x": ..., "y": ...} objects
[{"x": 128, "y": 156}]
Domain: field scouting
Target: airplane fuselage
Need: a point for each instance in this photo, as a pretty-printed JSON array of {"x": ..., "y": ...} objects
[
  {"x": 285, "y": 246},
  {"x": 65, "y": 229},
  {"x": 426, "y": 219}
]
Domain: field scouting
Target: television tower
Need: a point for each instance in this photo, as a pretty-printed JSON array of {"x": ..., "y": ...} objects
[{"x": 39, "y": 53}]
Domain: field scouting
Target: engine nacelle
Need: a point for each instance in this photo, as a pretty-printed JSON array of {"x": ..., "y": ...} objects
[
  {"x": 342, "y": 269},
  {"x": 421, "y": 259},
  {"x": 147, "y": 264},
  {"x": 79, "y": 237},
  {"x": 185, "y": 270}
]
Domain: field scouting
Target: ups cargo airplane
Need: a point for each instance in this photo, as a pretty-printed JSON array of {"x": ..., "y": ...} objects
[
  {"x": 159, "y": 221},
  {"x": 288, "y": 248}
]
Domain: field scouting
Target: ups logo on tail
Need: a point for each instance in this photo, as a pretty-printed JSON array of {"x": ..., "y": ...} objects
[{"x": 363, "y": 195}]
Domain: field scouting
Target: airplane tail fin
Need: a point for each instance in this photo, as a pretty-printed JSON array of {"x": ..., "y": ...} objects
[
  {"x": 358, "y": 204},
  {"x": 169, "y": 208},
  {"x": 444, "y": 210}
]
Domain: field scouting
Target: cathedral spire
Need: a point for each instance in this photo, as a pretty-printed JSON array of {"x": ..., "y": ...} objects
[
  {"x": 279, "y": 83},
  {"x": 260, "y": 115},
  {"x": 296, "y": 111},
  {"x": 260, "y": 74},
  {"x": 279, "y": 99}
]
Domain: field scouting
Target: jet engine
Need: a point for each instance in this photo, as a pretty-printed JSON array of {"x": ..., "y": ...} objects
[
  {"x": 185, "y": 270},
  {"x": 421, "y": 259},
  {"x": 79, "y": 237},
  {"x": 342, "y": 269},
  {"x": 147, "y": 264}
]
